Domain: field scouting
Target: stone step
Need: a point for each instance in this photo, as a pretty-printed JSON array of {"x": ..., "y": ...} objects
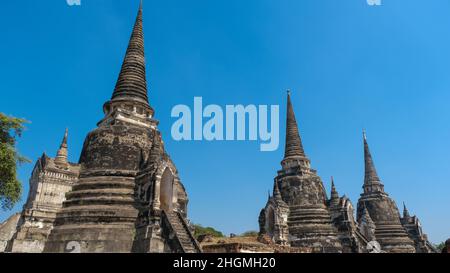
[
  {"x": 324, "y": 218},
  {"x": 99, "y": 200},
  {"x": 184, "y": 238},
  {"x": 97, "y": 214},
  {"x": 393, "y": 235},
  {"x": 100, "y": 192},
  {"x": 186, "y": 243},
  {"x": 309, "y": 214},
  {"x": 181, "y": 232},
  {"x": 309, "y": 222},
  {"x": 103, "y": 185},
  {"x": 95, "y": 211},
  {"x": 320, "y": 212},
  {"x": 390, "y": 230}
]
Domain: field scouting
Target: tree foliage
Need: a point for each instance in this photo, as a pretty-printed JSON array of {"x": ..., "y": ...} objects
[
  {"x": 440, "y": 246},
  {"x": 251, "y": 233},
  {"x": 10, "y": 187},
  {"x": 200, "y": 230}
]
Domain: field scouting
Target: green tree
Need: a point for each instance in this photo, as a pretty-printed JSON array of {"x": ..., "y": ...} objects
[
  {"x": 440, "y": 246},
  {"x": 250, "y": 233},
  {"x": 200, "y": 230},
  {"x": 10, "y": 187}
]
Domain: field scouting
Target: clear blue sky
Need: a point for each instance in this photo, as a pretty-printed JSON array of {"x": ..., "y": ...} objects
[{"x": 350, "y": 66}]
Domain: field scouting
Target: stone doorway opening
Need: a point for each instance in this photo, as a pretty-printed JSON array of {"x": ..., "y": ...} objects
[
  {"x": 270, "y": 221},
  {"x": 166, "y": 190}
]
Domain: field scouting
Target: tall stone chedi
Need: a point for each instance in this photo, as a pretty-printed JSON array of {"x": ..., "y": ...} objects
[
  {"x": 128, "y": 197},
  {"x": 383, "y": 211},
  {"x": 298, "y": 214}
]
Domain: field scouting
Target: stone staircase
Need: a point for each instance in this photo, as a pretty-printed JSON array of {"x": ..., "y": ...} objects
[
  {"x": 100, "y": 210},
  {"x": 183, "y": 234},
  {"x": 394, "y": 238},
  {"x": 312, "y": 225},
  {"x": 310, "y": 219}
]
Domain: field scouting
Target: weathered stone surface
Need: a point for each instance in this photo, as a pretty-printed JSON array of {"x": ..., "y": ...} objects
[
  {"x": 125, "y": 194},
  {"x": 297, "y": 214},
  {"x": 353, "y": 240},
  {"x": 414, "y": 230},
  {"x": 129, "y": 197},
  {"x": 132, "y": 82},
  {"x": 51, "y": 179},
  {"x": 383, "y": 211},
  {"x": 7, "y": 231},
  {"x": 239, "y": 244}
]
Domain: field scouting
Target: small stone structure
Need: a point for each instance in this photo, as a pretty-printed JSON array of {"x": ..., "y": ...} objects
[
  {"x": 239, "y": 244},
  {"x": 50, "y": 180},
  {"x": 414, "y": 229}
]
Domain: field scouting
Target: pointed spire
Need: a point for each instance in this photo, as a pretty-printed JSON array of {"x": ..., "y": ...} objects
[
  {"x": 294, "y": 146},
  {"x": 405, "y": 211},
  {"x": 333, "y": 189},
  {"x": 276, "y": 192},
  {"x": 367, "y": 225},
  {"x": 334, "y": 200},
  {"x": 132, "y": 84},
  {"x": 370, "y": 175},
  {"x": 366, "y": 216},
  {"x": 277, "y": 195},
  {"x": 61, "y": 155}
]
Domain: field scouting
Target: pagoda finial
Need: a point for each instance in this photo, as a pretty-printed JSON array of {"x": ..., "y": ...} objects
[
  {"x": 294, "y": 147},
  {"x": 366, "y": 213},
  {"x": 66, "y": 134},
  {"x": 132, "y": 84},
  {"x": 334, "y": 194},
  {"x": 367, "y": 225},
  {"x": 276, "y": 191},
  {"x": 277, "y": 195},
  {"x": 370, "y": 173},
  {"x": 61, "y": 155},
  {"x": 405, "y": 211}
]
